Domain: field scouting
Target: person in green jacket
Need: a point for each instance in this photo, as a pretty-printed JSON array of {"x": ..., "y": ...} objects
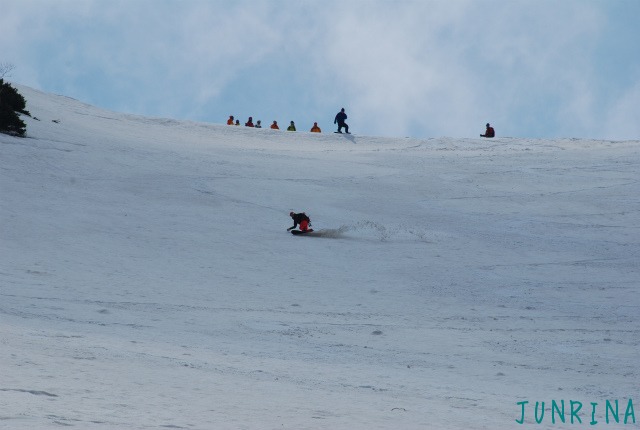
[{"x": 292, "y": 127}]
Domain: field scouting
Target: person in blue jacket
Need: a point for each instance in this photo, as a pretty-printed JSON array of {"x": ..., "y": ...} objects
[{"x": 340, "y": 120}]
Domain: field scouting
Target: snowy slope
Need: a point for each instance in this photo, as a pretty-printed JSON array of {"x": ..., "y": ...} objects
[{"x": 147, "y": 279}]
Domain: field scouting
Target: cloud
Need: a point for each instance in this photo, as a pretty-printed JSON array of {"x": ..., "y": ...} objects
[
  {"x": 622, "y": 119},
  {"x": 398, "y": 64},
  {"x": 420, "y": 68},
  {"x": 449, "y": 67}
]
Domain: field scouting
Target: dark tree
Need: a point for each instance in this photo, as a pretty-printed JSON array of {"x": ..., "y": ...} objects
[{"x": 11, "y": 103}]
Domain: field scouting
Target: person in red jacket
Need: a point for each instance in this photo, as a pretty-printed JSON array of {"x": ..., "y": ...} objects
[
  {"x": 249, "y": 122},
  {"x": 274, "y": 126},
  {"x": 490, "y": 132},
  {"x": 301, "y": 219},
  {"x": 315, "y": 128},
  {"x": 230, "y": 120}
]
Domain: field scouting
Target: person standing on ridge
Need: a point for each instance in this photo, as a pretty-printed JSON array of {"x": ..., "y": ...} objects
[
  {"x": 340, "y": 120},
  {"x": 301, "y": 219},
  {"x": 292, "y": 127},
  {"x": 490, "y": 132},
  {"x": 315, "y": 128}
]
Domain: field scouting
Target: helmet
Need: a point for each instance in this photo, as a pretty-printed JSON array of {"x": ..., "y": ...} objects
[
  {"x": 291, "y": 213},
  {"x": 488, "y": 125}
]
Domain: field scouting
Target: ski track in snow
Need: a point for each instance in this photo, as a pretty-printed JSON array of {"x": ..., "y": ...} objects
[
  {"x": 371, "y": 230},
  {"x": 147, "y": 279}
]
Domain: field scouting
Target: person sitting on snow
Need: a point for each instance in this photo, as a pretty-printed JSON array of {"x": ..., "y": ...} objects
[
  {"x": 249, "y": 122},
  {"x": 274, "y": 126},
  {"x": 490, "y": 132},
  {"x": 292, "y": 127},
  {"x": 315, "y": 128},
  {"x": 258, "y": 124},
  {"x": 230, "y": 120},
  {"x": 301, "y": 219}
]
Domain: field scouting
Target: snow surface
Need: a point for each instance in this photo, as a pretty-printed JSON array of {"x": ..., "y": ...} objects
[{"x": 147, "y": 279}]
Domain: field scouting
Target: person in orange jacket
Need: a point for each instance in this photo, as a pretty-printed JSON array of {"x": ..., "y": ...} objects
[
  {"x": 230, "y": 120},
  {"x": 315, "y": 128},
  {"x": 274, "y": 126},
  {"x": 249, "y": 122}
]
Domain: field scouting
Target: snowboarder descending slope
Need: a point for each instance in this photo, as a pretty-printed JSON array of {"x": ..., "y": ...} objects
[
  {"x": 301, "y": 219},
  {"x": 340, "y": 119}
]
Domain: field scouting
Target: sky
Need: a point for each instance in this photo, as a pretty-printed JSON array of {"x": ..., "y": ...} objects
[{"x": 537, "y": 69}]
